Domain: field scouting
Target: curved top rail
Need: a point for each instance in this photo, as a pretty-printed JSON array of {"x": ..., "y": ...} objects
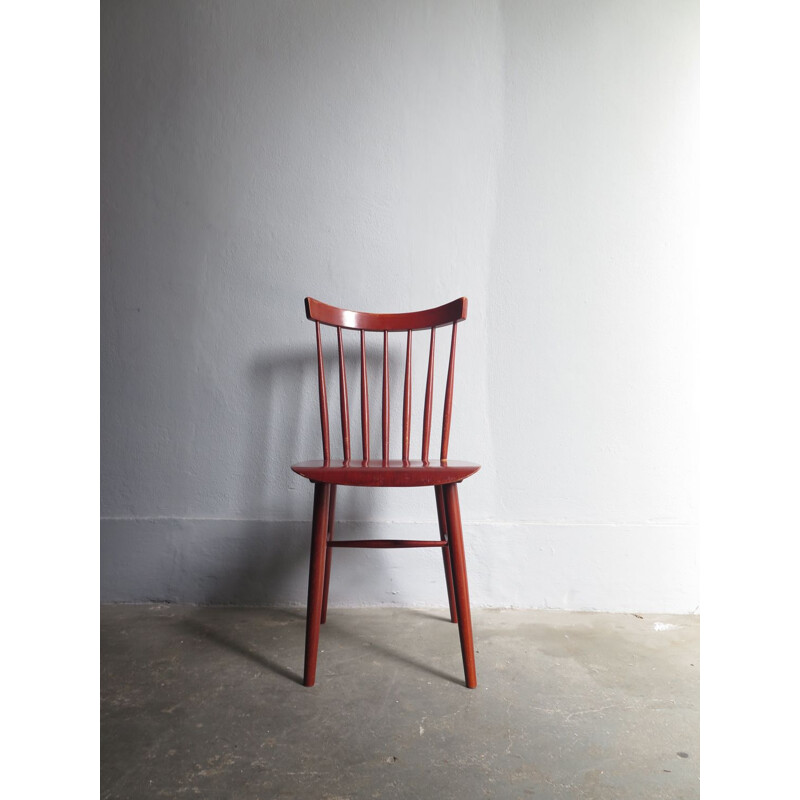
[{"x": 455, "y": 311}]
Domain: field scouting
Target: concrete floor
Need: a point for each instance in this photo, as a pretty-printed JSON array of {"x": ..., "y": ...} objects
[{"x": 207, "y": 702}]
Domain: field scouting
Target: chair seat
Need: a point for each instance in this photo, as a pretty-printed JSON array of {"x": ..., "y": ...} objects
[{"x": 391, "y": 473}]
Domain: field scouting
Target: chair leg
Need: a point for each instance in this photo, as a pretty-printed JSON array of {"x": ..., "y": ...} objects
[
  {"x": 328, "y": 554},
  {"x": 456, "y": 547},
  {"x": 316, "y": 578},
  {"x": 448, "y": 567}
]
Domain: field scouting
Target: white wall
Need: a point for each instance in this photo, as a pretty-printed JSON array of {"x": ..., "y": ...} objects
[{"x": 534, "y": 156}]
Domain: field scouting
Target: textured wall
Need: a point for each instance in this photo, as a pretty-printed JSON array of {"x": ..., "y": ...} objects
[{"x": 533, "y": 156}]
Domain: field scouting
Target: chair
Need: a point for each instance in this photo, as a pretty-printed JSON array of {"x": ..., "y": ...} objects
[{"x": 442, "y": 473}]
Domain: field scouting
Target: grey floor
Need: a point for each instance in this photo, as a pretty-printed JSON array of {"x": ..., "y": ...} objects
[{"x": 207, "y": 702}]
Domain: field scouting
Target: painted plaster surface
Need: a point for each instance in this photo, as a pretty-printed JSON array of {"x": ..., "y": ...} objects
[{"x": 536, "y": 157}]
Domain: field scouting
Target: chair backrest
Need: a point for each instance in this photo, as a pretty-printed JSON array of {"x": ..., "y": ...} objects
[{"x": 429, "y": 319}]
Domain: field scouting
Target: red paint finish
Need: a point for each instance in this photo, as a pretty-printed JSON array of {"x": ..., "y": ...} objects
[
  {"x": 407, "y": 402},
  {"x": 386, "y": 543},
  {"x": 391, "y": 473},
  {"x": 444, "y": 474},
  {"x": 456, "y": 311},
  {"x": 426, "y": 420},
  {"x": 316, "y": 579},
  {"x": 323, "y": 399},
  {"x": 454, "y": 533},
  {"x": 344, "y": 410},
  {"x": 364, "y": 401},
  {"x": 448, "y": 564},
  {"x": 448, "y": 396},
  {"x": 329, "y": 539},
  {"x": 385, "y": 417}
]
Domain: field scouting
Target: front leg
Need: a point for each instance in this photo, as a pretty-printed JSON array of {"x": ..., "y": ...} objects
[
  {"x": 316, "y": 578},
  {"x": 456, "y": 547}
]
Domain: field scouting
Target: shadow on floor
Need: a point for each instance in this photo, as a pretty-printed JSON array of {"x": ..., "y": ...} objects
[{"x": 213, "y": 624}]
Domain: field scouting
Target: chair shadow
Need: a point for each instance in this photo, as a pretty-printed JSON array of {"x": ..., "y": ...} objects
[
  {"x": 210, "y": 624},
  {"x": 200, "y": 625},
  {"x": 284, "y": 429},
  {"x": 389, "y": 652},
  {"x": 444, "y": 616}
]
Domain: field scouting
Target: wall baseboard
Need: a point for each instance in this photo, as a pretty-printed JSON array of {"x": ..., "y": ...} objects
[{"x": 616, "y": 568}]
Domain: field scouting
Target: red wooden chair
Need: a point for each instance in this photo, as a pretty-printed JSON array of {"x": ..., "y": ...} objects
[{"x": 442, "y": 473}]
